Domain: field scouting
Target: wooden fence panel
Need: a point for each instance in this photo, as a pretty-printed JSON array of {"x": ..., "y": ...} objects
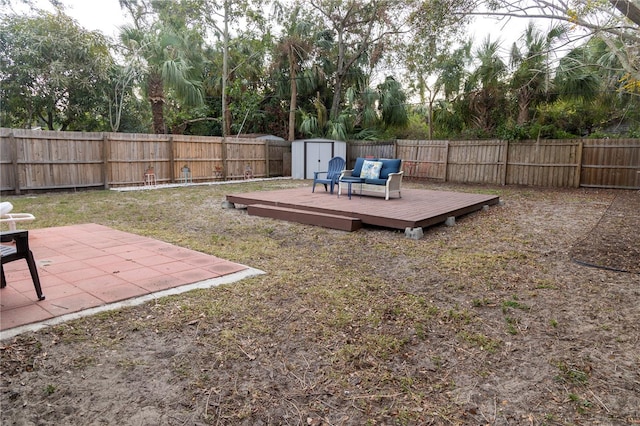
[
  {"x": 476, "y": 162},
  {"x": 246, "y": 158},
  {"x": 131, "y": 154},
  {"x": 279, "y": 158},
  {"x": 544, "y": 163},
  {"x": 611, "y": 163},
  {"x": 376, "y": 149},
  {"x": 52, "y": 160},
  {"x": 8, "y": 161},
  {"x": 423, "y": 159},
  {"x": 201, "y": 154}
]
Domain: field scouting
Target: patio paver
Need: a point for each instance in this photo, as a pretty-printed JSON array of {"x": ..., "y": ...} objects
[{"x": 88, "y": 266}]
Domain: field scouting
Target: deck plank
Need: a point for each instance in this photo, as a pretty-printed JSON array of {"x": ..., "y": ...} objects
[{"x": 416, "y": 208}]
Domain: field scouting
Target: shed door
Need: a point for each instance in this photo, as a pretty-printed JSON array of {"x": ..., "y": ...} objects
[{"x": 317, "y": 157}]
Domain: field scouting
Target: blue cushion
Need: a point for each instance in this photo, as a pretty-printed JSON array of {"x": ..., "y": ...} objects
[
  {"x": 352, "y": 179},
  {"x": 376, "y": 181},
  {"x": 389, "y": 166},
  {"x": 357, "y": 168}
]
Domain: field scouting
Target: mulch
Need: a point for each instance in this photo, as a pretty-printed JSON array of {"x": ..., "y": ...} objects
[{"x": 614, "y": 243}]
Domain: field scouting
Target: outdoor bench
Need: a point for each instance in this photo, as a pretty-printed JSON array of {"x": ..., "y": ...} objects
[{"x": 373, "y": 176}]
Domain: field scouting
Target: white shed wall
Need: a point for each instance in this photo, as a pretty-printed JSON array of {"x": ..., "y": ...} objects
[{"x": 313, "y": 155}]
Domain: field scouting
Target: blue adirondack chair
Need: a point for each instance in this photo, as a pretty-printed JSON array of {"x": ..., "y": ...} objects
[{"x": 331, "y": 176}]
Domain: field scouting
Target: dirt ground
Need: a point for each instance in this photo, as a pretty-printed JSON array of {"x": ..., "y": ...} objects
[{"x": 498, "y": 320}]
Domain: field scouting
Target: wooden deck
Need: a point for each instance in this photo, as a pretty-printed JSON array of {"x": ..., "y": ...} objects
[{"x": 416, "y": 208}]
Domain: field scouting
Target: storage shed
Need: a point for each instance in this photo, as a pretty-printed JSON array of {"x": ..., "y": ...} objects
[{"x": 313, "y": 155}]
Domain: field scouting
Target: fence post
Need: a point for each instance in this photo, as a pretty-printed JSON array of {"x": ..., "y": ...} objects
[
  {"x": 446, "y": 159},
  {"x": 224, "y": 158},
  {"x": 578, "y": 178},
  {"x": 505, "y": 162},
  {"x": 14, "y": 161},
  {"x": 267, "y": 148},
  {"x": 172, "y": 160},
  {"x": 105, "y": 160}
]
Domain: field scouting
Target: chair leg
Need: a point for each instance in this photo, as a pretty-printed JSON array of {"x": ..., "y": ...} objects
[
  {"x": 3, "y": 284},
  {"x": 34, "y": 274}
]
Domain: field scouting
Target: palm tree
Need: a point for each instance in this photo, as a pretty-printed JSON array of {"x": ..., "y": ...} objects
[
  {"x": 485, "y": 86},
  {"x": 449, "y": 71},
  {"x": 393, "y": 103},
  {"x": 531, "y": 79},
  {"x": 168, "y": 64},
  {"x": 294, "y": 49}
]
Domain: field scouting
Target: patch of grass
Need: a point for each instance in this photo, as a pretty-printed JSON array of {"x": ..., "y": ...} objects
[
  {"x": 512, "y": 324},
  {"x": 581, "y": 404},
  {"x": 572, "y": 374},
  {"x": 49, "y": 389},
  {"x": 481, "y": 341},
  {"x": 545, "y": 283},
  {"x": 84, "y": 361},
  {"x": 477, "y": 303},
  {"x": 129, "y": 363},
  {"x": 513, "y": 304},
  {"x": 458, "y": 316}
]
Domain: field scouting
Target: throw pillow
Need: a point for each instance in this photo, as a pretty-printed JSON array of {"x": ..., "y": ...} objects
[{"x": 371, "y": 169}]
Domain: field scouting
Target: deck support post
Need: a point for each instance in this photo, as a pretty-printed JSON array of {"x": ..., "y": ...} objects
[{"x": 413, "y": 233}]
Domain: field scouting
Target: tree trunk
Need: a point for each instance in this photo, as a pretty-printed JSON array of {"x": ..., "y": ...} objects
[
  {"x": 156, "y": 97},
  {"x": 629, "y": 9},
  {"x": 294, "y": 96},
  {"x": 226, "y": 117},
  {"x": 523, "y": 108}
]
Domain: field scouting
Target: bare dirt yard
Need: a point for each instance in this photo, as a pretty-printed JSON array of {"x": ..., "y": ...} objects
[{"x": 498, "y": 320}]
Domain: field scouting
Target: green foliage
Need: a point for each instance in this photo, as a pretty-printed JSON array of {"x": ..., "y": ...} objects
[
  {"x": 170, "y": 66},
  {"x": 54, "y": 73},
  {"x": 392, "y": 103},
  {"x": 315, "y": 77},
  {"x": 416, "y": 128}
]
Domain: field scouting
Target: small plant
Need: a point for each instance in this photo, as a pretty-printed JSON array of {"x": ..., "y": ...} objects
[
  {"x": 581, "y": 404},
  {"x": 571, "y": 374},
  {"x": 49, "y": 389},
  {"x": 485, "y": 343},
  {"x": 477, "y": 303},
  {"x": 553, "y": 323},
  {"x": 512, "y": 325},
  {"x": 514, "y": 304}
]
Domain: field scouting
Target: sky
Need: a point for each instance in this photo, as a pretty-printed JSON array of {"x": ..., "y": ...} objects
[
  {"x": 106, "y": 16},
  {"x": 103, "y": 15}
]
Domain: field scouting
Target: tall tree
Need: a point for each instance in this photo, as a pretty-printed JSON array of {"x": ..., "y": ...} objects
[
  {"x": 442, "y": 77},
  {"x": 168, "y": 58},
  {"x": 531, "y": 77},
  {"x": 616, "y": 22},
  {"x": 52, "y": 70},
  {"x": 485, "y": 86},
  {"x": 293, "y": 48},
  {"x": 360, "y": 28},
  {"x": 218, "y": 16}
]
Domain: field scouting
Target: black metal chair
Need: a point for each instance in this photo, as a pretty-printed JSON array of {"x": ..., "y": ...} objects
[
  {"x": 336, "y": 166},
  {"x": 20, "y": 250}
]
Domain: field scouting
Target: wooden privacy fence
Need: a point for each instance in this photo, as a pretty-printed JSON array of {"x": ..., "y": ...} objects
[
  {"x": 602, "y": 163},
  {"x": 45, "y": 160},
  {"x": 38, "y": 159}
]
